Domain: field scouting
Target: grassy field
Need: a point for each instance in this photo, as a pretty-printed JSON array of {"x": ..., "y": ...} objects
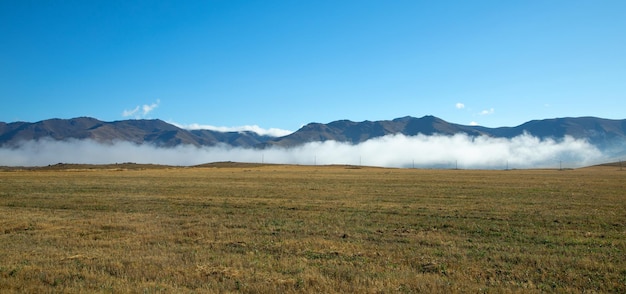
[{"x": 271, "y": 228}]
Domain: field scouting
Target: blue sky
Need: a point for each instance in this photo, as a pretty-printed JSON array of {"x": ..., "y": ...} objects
[{"x": 282, "y": 64}]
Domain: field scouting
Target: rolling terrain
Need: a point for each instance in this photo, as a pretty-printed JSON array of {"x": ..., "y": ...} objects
[
  {"x": 605, "y": 134},
  {"x": 155, "y": 132}
]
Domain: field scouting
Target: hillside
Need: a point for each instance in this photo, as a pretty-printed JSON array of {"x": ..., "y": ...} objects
[
  {"x": 606, "y": 134},
  {"x": 155, "y": 132}
]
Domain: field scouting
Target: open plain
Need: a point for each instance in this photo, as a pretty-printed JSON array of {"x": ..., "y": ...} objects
[{"x": 279, "y": 229}]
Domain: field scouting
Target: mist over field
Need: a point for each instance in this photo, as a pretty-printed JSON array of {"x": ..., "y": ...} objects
[{"x": 437, "y": 151}]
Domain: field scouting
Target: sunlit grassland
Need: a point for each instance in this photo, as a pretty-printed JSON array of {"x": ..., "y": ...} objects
[{"x": 313, "y": 229}]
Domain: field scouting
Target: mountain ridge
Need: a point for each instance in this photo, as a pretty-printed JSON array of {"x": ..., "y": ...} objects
[
  {"x": 603, "y": 133},
  {"x": 153, "y": 131}
]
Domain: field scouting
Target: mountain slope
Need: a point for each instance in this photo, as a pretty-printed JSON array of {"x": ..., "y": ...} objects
[
  {"x": 156, "y": 132},
  {"x": 57, "y": 129},
  {"x": 603, "y": 133},
  {"x": 357, "y": 132}
]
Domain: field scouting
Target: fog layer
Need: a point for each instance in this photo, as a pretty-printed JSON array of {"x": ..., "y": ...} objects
[{"x": 437, "y": 151}]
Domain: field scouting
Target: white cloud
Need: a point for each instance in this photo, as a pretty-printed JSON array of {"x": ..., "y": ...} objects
[
  {"x": 487, "y": 111},
  {"x": 459, "y": 105},
  {"x": 141, "y": 111},
  {"x": 524, "y": 151},
  {"x": 148, "y": 108},
  {"x": 274, "y": 132},
  {"x": 132, "y": 112},
  {"x": 473, "y": 123}
]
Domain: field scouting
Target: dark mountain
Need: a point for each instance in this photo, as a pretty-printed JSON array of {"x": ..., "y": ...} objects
[
  {"x": 53, "y": 128},
  {"x": 155, "y": 132},
  {"x": 241, "y": 139},
  {"x": 356, "y": 132},
  {"x": 604, "y": 133}
]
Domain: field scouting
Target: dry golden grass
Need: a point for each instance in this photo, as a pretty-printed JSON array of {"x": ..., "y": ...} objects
[{"x": 268, "y": 229}]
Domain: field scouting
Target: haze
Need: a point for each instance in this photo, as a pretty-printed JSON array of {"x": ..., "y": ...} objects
[{"x": 437, "y": 151}]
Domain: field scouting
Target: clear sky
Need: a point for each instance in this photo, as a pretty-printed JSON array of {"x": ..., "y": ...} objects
[{"x": 282, "y": 64}]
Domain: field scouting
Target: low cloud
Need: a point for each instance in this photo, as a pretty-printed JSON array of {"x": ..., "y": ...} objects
[
  {"x": 273, "y": 132},
  {"x": 438, "y": 151},
  {"x": 141, "y": 111},
  {"x": 487, "y": 111},
  {"x": 459, "y": 105}
]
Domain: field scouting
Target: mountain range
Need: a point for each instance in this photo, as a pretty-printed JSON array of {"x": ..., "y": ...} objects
[
  {"x": 155, "y": 132},
  {"x": 606, "y": 134}
]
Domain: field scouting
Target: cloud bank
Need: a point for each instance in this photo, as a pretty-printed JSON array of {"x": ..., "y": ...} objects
[{"x": 437, "y": 151}]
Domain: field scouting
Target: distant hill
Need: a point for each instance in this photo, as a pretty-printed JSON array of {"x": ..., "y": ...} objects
[
  {"x": 155, "y": 132},
  {"x": 603, "y": 133},
  {"x": 606, "y": 134},
  {"x": 357, "y": 132}
]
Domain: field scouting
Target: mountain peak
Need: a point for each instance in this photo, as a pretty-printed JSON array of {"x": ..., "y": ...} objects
[{"x": 603, "y": 133}]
